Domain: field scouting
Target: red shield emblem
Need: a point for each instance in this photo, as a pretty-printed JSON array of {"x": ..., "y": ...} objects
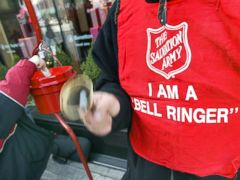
[{"x": 168, "y": 51}]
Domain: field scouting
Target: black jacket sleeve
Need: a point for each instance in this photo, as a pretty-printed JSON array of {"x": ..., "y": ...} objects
[
  {"x": 10, "y": 113},
  {"x": 105, "y": 54}
]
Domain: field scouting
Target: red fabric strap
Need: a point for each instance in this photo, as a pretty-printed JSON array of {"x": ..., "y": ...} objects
[{"x": 3, "y": 141}]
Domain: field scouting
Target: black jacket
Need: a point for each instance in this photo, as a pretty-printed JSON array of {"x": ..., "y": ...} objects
[
  {"x": 26, "y": 152},
  {"x": 105, "y": 54}
]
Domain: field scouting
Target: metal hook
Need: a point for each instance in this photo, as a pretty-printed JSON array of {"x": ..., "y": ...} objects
[{"x": 43, "y": 46}]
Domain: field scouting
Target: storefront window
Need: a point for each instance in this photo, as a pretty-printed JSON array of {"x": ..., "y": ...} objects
[{"x": 69, "y": 28}]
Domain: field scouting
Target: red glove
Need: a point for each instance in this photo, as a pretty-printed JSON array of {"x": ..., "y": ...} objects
[{"x": 17, "y": 83}]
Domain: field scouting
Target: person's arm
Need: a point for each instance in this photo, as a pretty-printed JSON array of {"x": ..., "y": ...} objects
[
  {"x": 105, "y": 54},
  {"x": 14, "y": 92}
]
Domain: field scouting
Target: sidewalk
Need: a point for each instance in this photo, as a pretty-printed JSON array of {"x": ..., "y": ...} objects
[{"x": 74, "y": 171}]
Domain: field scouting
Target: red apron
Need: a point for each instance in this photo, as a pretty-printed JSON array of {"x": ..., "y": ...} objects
[{"x": 184, "y": 83}]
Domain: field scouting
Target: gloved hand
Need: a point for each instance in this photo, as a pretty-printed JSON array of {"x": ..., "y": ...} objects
[
  {"x": 39, "y": 63},
  {"x": 98, "y": 119},
  {"x": 17, "y": 82}
]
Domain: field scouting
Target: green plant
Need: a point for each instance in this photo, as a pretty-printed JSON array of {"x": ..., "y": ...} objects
[
  {"x": 16, "y": 58},
  {"x": 64, "y": 58},
  {"x": 89, "y": 68},
  {"x": 3, "y": 71}
]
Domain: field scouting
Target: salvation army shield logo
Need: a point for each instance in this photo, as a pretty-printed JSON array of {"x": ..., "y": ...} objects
[{"x": 168, "y": 51}]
